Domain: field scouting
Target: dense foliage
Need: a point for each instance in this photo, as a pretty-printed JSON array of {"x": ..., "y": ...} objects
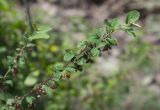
[
  {"x": 39, "y": 72},
  {"x": 76, "y": 59}
]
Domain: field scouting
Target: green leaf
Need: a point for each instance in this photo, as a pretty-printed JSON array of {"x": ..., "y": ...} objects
[
  {"x": 130, "y": 32},
  {"x": 115, "y": 23},
  {"x": 100, "y": 31},
  {"x": 9, "y": 82},
  {"x": 58, "y": 71},
  {"x": 30, "y": 99},
  {"x": 70, "y": 69},
  {"x": 3, "y": 49},
  {"x": 100, "y": 44},
  {"x": 132, "y": 17},
  {"x": 21, "y": 61},
  {"x": 57, "y": 75},
  {"x": 93, "y": 37},
  {"x": 82, "y": 44},
  {"x": 81, "y": 61},
  {"x": 39, "y": 36},
  {"x": 10, "y": 101},
  {"x": 30, "y": 80},
  {"x": 40, "y": 33},
  {"x": 112, "y": 41},
  {"x": 43, "y": 29},
  {"x": 68, "y": 55},
  {"x": 10, "y": 60},
  {"x": 112, "y": 24},
  {"x": 48, "y": 90},
  {"x": 58, "y": 67},
  {"x": 95, "y": 52}
]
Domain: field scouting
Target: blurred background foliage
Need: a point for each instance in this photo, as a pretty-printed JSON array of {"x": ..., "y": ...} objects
[{"x": 125, "y": 78}]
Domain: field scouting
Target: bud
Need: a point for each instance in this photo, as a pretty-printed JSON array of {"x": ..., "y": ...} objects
[{"x": 137, "y": 25}]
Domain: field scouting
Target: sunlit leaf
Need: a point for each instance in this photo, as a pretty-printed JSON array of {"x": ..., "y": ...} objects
[
  {"x": 81, "y": 61},
  {"x": 70, "y": 69},
  {"x": 10, "y": 101},
  {"x": 69, "y": 55},
  {"x": 113, "y": 24},
  {"x": 43, "y": 29},
  {"x": 39, "y": 36},
  {"x": 112, "y": 41},
  {"x": 95, "y": 52},
  {"x": 93, "y": 37},
  {"x": 9, "y": 82},
  {"x": 132, "y": 17},
  {"x": 10, "y": 60},
  {"x": 30, "y": 99},
  {"x": 30, "y": 80},
  {"x": 130, "y": 32}
]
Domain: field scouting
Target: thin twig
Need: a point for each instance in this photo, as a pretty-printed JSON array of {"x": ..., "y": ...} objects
[
  {"x": 5, "y": 75},
  {"x": 29, "y": 17}
]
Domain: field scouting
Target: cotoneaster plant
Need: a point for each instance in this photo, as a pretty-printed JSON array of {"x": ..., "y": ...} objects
[{"x": 75, "y": 59}]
